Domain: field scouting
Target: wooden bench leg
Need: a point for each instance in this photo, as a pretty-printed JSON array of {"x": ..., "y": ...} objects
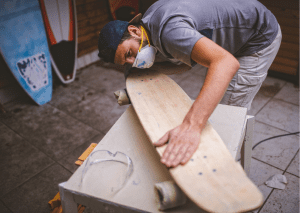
[{"x": 246, "y": 151}]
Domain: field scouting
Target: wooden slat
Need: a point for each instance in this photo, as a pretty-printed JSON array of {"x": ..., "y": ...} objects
[
  {"x": 98, "y": 14},
  {"x": 87, "y": 152},
  {"x": 91, "y": 29},
  {"x": 284, "y": 69},
  {"x": 92, "y": 15},
  {"x": 289, "y": 46},
  {"x": 103, "y": 17},
  {"x": 89, "y": 43},
  {"x": 87, "y": 37},
  {"x": 91, "y": 32},
  {"x": 290, "y": 30},
  {"x": 288, "y": 54},
  {"x": 289, "y": 22},
  {"x": 288, "y": 13},
  {"x": 55, "y": 202},
  {"x": 100, "y": 22},
  {"x": 91, "y": 6},
  {"x": 98, "y": 11},
  {"x": 290, "y": 4},
  {"x": 88, "y": 49},
  {"x": 87, "y": 30},
  {"x": 290, "y": 39},
  {"x": 82, "y": 2},
  {"x": 286, "y": 61}
]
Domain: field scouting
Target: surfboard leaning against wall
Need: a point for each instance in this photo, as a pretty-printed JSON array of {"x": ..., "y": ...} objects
[
  {"x": 24, "y": 47},
  {"x": 61, "y": 26}
]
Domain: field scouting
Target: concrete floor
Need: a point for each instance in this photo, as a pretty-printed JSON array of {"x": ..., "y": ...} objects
[{"x": 39, "y": 144}]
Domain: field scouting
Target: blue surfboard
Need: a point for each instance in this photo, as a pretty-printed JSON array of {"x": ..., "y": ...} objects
[{"x": 24, "y": 47}]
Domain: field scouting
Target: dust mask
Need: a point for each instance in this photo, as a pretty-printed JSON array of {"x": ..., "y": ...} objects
[{"x": 146, "y": 55}]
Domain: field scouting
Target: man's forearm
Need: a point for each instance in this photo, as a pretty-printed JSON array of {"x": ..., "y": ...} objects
[
  {"x": 185, "y": 138},
  {"x": 217, "y": 80}
]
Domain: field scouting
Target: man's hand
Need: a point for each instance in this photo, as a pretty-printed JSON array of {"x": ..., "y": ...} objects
[
  {"x": 183, "y": 143},
  {"x": 184, "y": 139}
]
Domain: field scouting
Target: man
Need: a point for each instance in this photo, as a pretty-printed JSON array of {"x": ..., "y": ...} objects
[{"x": 236, "y": 39}]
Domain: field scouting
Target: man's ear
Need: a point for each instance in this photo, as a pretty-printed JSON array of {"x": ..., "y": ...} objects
[{"x": 134, "y": 31}]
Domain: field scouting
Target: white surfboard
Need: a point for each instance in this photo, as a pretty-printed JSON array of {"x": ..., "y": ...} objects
[{"x": 61, "y": 27}]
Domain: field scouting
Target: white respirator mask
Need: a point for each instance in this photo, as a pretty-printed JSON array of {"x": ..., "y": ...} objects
[{"x": 146, "y": 55}]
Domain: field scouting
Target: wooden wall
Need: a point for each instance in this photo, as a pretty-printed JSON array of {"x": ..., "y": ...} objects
[
  {"x": 287, "y": 15},
  {"x": 92, "y": 15}
]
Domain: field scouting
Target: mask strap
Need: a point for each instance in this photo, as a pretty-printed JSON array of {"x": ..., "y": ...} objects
[
  {"x": 146, "y": 35},
  {"x": 143, "y": 30}
]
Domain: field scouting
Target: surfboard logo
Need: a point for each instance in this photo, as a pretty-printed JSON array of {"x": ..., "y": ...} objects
[{"x": 34, "y": 71}]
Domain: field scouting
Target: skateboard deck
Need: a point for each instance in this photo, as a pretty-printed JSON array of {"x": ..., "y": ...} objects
[{"x": 212, "y": 179}]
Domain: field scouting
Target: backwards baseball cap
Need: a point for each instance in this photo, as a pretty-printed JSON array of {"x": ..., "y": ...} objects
[{"x": 111, "y": 35}]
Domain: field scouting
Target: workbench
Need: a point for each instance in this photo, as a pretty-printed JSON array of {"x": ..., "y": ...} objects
[{"x": 138, "y": 194}]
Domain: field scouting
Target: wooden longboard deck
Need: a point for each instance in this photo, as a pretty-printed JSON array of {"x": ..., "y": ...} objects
[{"x": 212, "y": 178}]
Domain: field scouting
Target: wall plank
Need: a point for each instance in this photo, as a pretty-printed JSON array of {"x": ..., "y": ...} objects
[
  {"x": 286, "y": 61},
  {"x": 289, "y": 30},
  {"x": 287, "y": 15},
  {"x": 288, "y": 54},
  {"x": 291, "y": 38},
  {"x": 83, "y": 2},
  {"x": 290, "y": 4},
  {"x": 280, "y": 11},
  {"x": 283, "y": 69},
  {"x": 92, "y": 15},
  {"x": 288, "y": 21}
]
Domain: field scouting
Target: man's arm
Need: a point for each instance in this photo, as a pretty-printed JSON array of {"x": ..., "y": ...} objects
[
  {"x": 184, "y": 139},
  {"x": 222, "y": 66}
]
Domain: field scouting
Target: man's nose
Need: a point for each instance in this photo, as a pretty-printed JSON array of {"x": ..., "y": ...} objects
[{"x": 130, "y": 60}]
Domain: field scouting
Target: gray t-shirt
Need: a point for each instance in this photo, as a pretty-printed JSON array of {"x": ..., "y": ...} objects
[{"x": 242, "y": 27}]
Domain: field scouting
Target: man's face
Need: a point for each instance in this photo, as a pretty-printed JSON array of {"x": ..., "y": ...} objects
[{"x": 127, "y": 51}]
